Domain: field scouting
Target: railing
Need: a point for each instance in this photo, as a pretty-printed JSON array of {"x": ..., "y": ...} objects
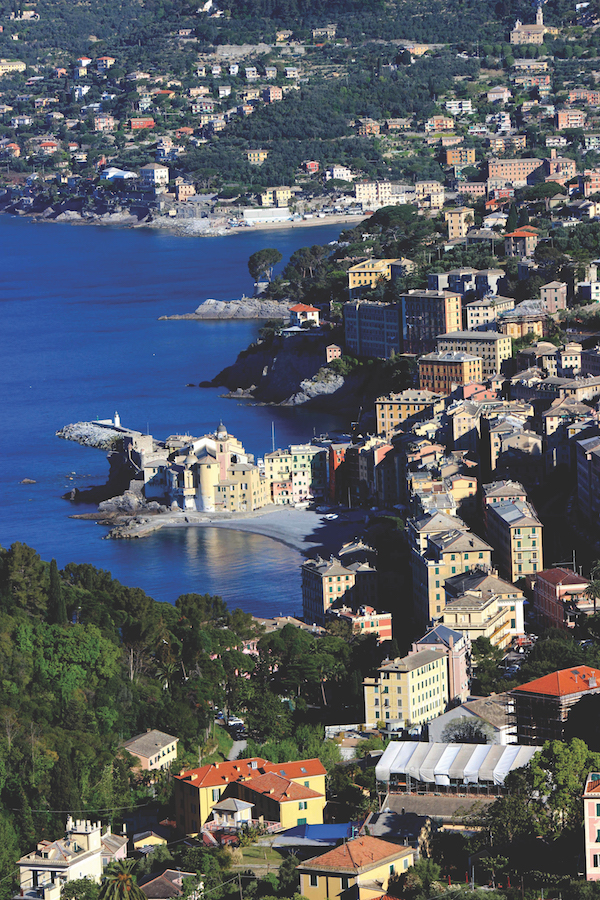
[{"x": 233, "y": 829}]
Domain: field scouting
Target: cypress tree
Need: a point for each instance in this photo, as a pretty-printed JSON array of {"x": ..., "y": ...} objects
[
  {"x": 511, "y": 222},
  {"x": 57, "y": 610}
]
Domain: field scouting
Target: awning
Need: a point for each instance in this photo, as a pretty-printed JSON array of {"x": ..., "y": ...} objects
[{"x": 444, "y": 763}]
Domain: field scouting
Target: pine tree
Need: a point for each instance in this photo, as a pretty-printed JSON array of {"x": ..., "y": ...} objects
[
  {"x": 57, "y": 610},
  {"x": 511, "y": 222}
]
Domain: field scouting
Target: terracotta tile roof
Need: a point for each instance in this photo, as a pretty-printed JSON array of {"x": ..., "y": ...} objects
[
  {"x": 302, "y": 307},
  {"x": 593, "y": 784},
  {"x": 221, "y": 773},
  {"x": 281, "y": 789},
  {"x": 561, "y": 576},
  {"x": 362, "y": 853},
  {"x": 303, "y": 768},
  {"x": 560, "y": 684}
]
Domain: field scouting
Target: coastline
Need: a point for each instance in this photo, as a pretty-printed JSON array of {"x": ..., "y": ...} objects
[
  {"x": 301, "y": 529},
  {"x": 185, "y": 228}
]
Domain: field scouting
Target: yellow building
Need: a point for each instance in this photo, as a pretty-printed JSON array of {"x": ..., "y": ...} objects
[
  {"x": 256, "y": 157},
  {"x": 476, "y": 616},
  {"x": 154, "y": 749},
  {"x": 366, "y": 275},
  {"x": 516, "y": 532},
  {"x": 360, "y": 868},
  {"x": 11, "y": 65},
  {"x": 441, "y": 372},
  {"x": 493, "y": 348},
  {"x": 197, "y": 790},
  {"x": 408, "y": 691},
  {"x": 394, "y": 409},
  {"x": 243, "y": 490},
  {"x": 296, "y": 474},
  {"x": 279, "y": 799},
  {"x": 277, "y": 196},
  {"x": 458, "y": 222},
  {"x": 327, "y": 583},
  {"x": 446, "y": 553}
]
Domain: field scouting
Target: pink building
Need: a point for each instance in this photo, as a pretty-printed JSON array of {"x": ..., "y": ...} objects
[
  {"x": 366, "y": 620},
  {"x": 591, "y": 828},
  {"x": 559, "y": 597},
  {"x": 457, "y": 648},
  {"x": 333, "y": 351}
]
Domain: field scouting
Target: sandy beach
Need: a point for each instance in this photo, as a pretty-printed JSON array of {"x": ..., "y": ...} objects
[{"x": 304, "y": 530}]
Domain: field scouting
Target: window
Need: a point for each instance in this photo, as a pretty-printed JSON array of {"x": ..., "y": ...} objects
[
  {"x": 345, "y": 882},
  {"x": 595, "y": 860},
  {"x": 314, "y": 880},
  {"x": 392, "y": 869},
  {"x": 303, "y": 804},
  {"x": 215, "y": 794}
]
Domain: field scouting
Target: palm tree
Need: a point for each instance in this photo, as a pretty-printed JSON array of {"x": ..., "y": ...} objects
[{"x": 119, "y": 882}]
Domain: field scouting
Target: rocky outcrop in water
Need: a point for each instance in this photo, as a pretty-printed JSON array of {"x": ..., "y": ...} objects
[
  {"x": 324, "y": 383},
  {"x": 246, "y": 308},
  {"x": 88, "y": 434}
]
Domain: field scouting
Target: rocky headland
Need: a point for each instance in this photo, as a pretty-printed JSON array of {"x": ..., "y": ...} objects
[{"x": 246, "y": 308}]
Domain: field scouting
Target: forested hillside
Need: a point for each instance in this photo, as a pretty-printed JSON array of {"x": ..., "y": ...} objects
[{"x": 86, "y": 663}]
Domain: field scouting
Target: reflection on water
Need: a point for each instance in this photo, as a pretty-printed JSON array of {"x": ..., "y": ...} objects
[{"x": 249, "y": 571}]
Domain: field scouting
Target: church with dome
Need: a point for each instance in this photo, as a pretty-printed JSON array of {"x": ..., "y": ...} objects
[{"x": 204, "y": 474}]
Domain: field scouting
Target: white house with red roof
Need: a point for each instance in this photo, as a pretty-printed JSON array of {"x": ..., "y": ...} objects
[
  {"x": 542, "y": 706},
  {"x": 301, "y": 313}
]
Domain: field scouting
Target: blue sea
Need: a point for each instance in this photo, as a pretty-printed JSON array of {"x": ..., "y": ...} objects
[{"x": 80, "y": 338}]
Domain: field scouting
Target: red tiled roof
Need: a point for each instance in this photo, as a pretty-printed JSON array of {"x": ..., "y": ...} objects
[
  {"x": 561, "y": 576},
  {"x": 593, "y": 787},
  {"x": 302, "y": 307},
  {"x": 361, "y": 853},
  {"x": 281, "y": 789},
  {"x": 300, "y": 768},
  {"x": 567, "y": 681},
  {"x": 222, "y": 773}
]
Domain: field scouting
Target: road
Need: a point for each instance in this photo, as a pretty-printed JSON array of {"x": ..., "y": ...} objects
[{"x": 237, "y": 749}]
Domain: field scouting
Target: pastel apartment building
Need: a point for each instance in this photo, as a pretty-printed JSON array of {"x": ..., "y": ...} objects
[
  {"x": 542, "y": 706},
  {"x": 196, "y": 791},
  {"x": 373, "y": 194},
  {"x": 407, "y": 691},
  {"x": 277, "y": 196},
  {"x": 365, "y": 621},
  {"x": 460, "y": 156},
  {"x": 366, "y": 275},
  {"x": 279, "y": 798},
  {"x": 394, "y": 409},
  {"x": 569, "y": 118},
  {"x": 492, "y": 347},
  {"x": 457, "y": 648},
  {"x": 327, "y": 583},
  {"x": 479, "y": 613},
  {"x": 516, "y": 534},
  {"x": 441, "y": 372},
  {"x": 256, "y": 157},
  {"x": 554, "y": 296},
  {"x": 449, "y": 552},
  {"x": 458, "y": 221},
  {"x": 296, "y": 474},
  {"x": 515, "y": 171},
  {"x": 484, "y": 312},
  {"x": 155, "y": 750},
  {"x": 360, "y": 868},
  {"x": 560, "y": 597}
]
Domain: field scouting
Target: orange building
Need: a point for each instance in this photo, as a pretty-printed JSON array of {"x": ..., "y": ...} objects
[
  {"x": 141, "y": 122},
  {"x": 460, "y": 156},
  {"x": 442, "y": 372}
]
